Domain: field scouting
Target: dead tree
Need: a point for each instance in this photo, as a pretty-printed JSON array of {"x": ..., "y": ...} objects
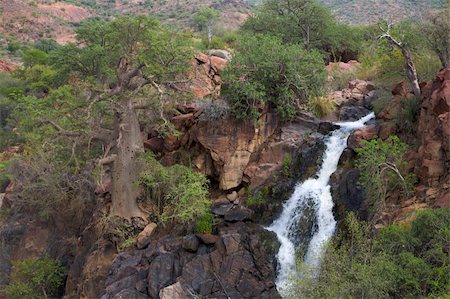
[{"x": 410, "y": 69}]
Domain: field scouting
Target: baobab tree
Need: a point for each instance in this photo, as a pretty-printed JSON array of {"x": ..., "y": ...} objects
[{"x": 130, "y": 63}]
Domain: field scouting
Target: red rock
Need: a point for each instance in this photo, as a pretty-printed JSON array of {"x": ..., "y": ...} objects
[
  {"x": 202, "y": 58},
  {"x": 443, "y": 201},
  {"x": 218, "y": 63},
  {"x": 154, "y": 144},
  {"x": 435, "y": 168},
  {"x": 171, "y": 143},
  {"x": 144, "y": 237},
  {"x": 400, "y": 89},
  {"x": 207, "y": 239},
  {"x": 183, "y": 120},
  {"x": 366, "y": 133},
  {"x": 387, "y": 129}
]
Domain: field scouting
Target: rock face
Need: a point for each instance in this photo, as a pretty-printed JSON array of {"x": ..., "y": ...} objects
[
  {"x": 353, "y": 102},
  {"x": 206, "y": 74},
  {"x": 235, "y": 266},
  {"x": 433, "y": 155},
  {"x": 230, "y": 144}
]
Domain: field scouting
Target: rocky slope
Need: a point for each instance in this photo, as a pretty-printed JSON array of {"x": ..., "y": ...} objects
[
  {"x": 364, "y": 12},
  {"x": 33, "y": 20}
]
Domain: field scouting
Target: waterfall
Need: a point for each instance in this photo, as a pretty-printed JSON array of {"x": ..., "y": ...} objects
[{"x": 313, "y": 194}]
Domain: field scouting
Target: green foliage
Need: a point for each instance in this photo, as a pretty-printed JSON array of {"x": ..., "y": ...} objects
[
  {"x": 35, "y": 278},
  {"x": 257, "y": 198},
  {"x": 204, "y": 224},
  {"x": 177, "y": 193},
  {"x": 321, "y": 105},
  {"x": 406, "y": 120},
  {"x": 304, "y": 22},
  {"x": 381, "y": 167},
  {"x": 401, "y": 262},
  {"x": 33, "y": 57},
  {"x": 264, "y": 70},
  {"x": 205, "y": 17},
  {"x": 138, "y": 41},
  {"x": 286, "y": 165}
]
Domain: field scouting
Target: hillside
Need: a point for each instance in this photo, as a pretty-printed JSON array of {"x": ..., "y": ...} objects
[
  {"x": 363, "y": 12},
  {"x": 31, "y": 20}
]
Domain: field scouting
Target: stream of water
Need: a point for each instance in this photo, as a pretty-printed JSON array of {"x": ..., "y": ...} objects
[{"x": 313, "y": 194}]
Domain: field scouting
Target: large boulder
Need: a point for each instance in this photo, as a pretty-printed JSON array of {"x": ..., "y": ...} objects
[{"x": 236, "y": 265}]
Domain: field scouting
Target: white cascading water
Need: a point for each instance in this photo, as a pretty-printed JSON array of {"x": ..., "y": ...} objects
[{"x": 315, "y": 191}]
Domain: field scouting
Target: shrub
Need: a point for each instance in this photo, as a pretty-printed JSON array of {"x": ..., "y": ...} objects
[
  {"x": 215, "y": 111},
  {"x": 177, "y": 193},
  {"x": 286, "y": 165},
  {"x": 382, "y": 168},
  {"x": 204, "y": 224},
  {"x": 321, "y": 105},
  {"x": 264, "y": 71},
  {"x": 49, "y": 189},
  {"x": 406, "y": 120},
  {"x": 35, "y": 278},
  {"x": 398, "y": 263}
]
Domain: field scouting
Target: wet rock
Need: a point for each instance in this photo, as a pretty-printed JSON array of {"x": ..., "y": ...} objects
[
  {"x": 144, "y": 237},
  {"x": 238, "y": 213},
  {"x": 190, "y": 243},
  {"x": 352, "y": 113},
  {"x": 326, "y": 127}
]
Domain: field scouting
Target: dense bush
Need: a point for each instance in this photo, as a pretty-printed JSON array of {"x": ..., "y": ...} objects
[
  {"x": 265, "y": 71},
  {"x": 403, "y": 261},
  {"x": 176, "y": 193},
  {"x": 382, "y": 168},
  {"x": 35, "y": 278},
  {"x": 306, "y": 23}
]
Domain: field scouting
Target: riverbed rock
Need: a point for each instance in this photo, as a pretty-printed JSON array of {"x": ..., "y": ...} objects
[
  {"x": 366, "y": 133},
  {"x": 235, "y": 266}
]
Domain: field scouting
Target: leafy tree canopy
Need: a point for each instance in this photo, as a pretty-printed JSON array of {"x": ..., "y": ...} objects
[{"x": 264, "y": 70}]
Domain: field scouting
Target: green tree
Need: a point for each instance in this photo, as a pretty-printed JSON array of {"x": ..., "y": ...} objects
[
  {"x": 35, "y": 278},
  {"x": 436, "y": 29},
  {"x": 124, "y": 66},
  {"x": 381, "y": 167},
  {"x": 205, "y": 19},
  {"x": 304, "y": 22},
  {"x": 264, "y": 70}
]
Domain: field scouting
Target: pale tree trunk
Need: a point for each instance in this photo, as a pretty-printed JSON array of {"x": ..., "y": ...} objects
[
  {"x": 410, "y": 69},
  {"x": 209, "y": 34},
  {"x": 126, "y": 168},
  {"x": 411, "y": 72}
]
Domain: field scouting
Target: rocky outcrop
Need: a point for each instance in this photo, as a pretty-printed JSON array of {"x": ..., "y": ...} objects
[
  {"x": 235, "y": 266},
  {"x": 7, "y": 67},
  {"x": 433, "y": 155},
  {"x": 205, "y": 75}
]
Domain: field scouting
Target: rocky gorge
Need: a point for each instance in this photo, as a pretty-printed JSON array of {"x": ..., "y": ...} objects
[{"x": 241, "y": 159}]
